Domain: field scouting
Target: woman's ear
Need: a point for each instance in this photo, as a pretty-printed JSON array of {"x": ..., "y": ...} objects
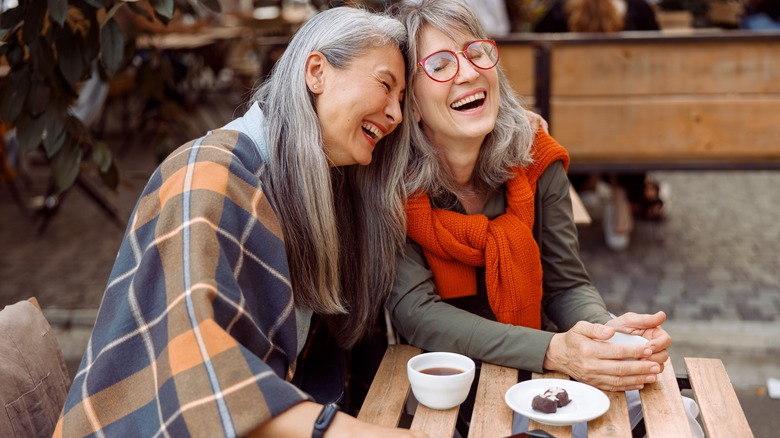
[{"x": 315, "y": 68}]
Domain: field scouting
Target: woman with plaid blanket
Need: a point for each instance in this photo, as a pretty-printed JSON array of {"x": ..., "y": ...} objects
[{"x": 241, "y": 236}]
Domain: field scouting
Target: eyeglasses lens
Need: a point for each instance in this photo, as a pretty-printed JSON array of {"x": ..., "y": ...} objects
[
  {"x": 482, "y": 54},
  {"x": 443, "y": 66}
]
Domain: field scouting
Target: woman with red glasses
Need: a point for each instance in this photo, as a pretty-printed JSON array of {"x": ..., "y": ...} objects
[{"x": 492, "y": 244}]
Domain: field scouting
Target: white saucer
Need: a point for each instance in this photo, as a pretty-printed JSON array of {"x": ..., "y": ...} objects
[{"x": 586, "y": 403}]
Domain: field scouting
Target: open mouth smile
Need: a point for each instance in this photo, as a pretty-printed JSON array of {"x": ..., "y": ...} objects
[
  {"x": 372, "y": 131},
  {"x": 474, "y": 101}
]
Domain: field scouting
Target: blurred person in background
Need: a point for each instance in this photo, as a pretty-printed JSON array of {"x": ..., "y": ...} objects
[
  {"x": 761, "y": 15},
  {"x": 598, "y": 16},
  {"x": 630, "y": 195},
  {"x": 492, "y": 15}
]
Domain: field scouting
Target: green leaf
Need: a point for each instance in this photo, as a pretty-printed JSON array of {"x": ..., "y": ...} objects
[
  {"x": 112, "y": 11},
  {"x": 71, "y": 61},
  {"x": 53, "y": 143},
  {"x": 29, "y": 131},
  {"x": 163, "y": 9},
  {"x": 65, "y": 165},
  {"x": 38, "y": 98},
  {"x": 91, "y": 44},
  {"x": 15, "y": 92},
  {"x": 101, "y": 155},
  {"x": 33, "y": 21},
  {"x": 140, "y": 11},
  {"x": 212, "y": 4},
  {"x": 42, "y": 57},
  {"x": 58, "y": 10},
  {"x": 55, "y": 130},
  {"x": 113, "y": 46}
]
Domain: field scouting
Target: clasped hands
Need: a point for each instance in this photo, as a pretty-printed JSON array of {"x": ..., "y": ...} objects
[{"x": 581, "y": 354}]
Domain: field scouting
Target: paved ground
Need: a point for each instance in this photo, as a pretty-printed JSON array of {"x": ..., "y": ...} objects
[{"x": 712, "y": 266}]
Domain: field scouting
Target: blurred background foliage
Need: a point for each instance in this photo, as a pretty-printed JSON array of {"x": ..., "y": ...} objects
[{"x": 51, "y": 47}]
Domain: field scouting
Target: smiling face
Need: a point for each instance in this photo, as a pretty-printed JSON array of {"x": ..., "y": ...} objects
[
  {"x": 463, "y": 109},
  {"x": 358, "y": 105}
]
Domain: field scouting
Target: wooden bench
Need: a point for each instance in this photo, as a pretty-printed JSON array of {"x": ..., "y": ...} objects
[
  {"x": 662, "y": 406},
  {"x": 651, "y": 100}
]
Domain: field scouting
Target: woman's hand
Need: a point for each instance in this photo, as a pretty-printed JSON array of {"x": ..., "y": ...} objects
[
  {"x": 536, "y": 121},
  {"x": 581, "y": 354},
  {"x": 649, "y": 327}
]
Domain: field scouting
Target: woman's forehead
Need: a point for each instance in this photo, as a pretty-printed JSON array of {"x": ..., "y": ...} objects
[{"x": 432, "y": 37}]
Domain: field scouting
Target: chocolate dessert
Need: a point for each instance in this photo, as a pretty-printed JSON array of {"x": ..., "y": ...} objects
[
  {"x": 560, "y": 394},
  {"x": 546, "y": 404},
  {"x": 550, "y": 400}
]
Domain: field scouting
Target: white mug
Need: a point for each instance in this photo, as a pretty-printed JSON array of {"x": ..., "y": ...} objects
[{"x": 438, "y": 391}]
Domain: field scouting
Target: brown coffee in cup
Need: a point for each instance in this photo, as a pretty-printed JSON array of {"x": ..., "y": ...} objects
[
  {"x": 440, "y": 380},
  {"x": 441, "y": 371}
]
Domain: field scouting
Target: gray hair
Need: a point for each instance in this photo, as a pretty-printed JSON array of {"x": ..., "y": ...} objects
[
  {"x": 343, "y": 226},
  {"x": 507, "y": 146}
]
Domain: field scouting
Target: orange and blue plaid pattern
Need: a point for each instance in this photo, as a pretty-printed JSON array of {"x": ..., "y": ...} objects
[{"x": 196, "y": 333}]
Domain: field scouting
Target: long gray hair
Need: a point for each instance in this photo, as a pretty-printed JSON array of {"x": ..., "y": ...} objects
[
  {"x": 507, "y": 146},
  {"x": 343, "y": 226}
]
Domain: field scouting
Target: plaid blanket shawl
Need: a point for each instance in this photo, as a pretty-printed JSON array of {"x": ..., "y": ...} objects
[{"x": 196, "y": 334}]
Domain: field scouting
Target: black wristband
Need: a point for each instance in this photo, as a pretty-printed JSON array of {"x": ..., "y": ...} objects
[{"x": 323, "y": 421}]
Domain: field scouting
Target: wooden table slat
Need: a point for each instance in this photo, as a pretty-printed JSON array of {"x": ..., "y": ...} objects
[
  {"x": 550, "y": 375},
  {"x": 581, "y": 215},
  {"x": 435, "y": 422},
  {"x": 615, "y": 422},
  {"x": 716, "y": 398},
  {"x": 662, "y": 406},
  {"x": 556, "y": 431},
  {"x": 386, "y": 397},
  {"x": 492, "y": 417}
]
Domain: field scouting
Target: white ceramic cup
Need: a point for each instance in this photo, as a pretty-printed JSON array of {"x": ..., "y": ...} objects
[
  {"x": 440, "y": 391},
  {"x": 622, "y": 338}
]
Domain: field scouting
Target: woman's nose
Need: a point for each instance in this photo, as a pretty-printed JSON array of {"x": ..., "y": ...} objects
[
  {"x": 466, "y": 71},
  {"x": 393, "y": 111}
]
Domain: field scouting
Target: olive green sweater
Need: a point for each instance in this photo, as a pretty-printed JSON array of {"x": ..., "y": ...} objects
[{"x": 467, "y": 325}]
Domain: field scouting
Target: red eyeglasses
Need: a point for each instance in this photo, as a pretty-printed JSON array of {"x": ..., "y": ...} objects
[{"x": 443, "y": 66}]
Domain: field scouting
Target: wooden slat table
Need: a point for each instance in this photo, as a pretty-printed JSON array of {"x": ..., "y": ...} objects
[{"x": 662, "y": 406}]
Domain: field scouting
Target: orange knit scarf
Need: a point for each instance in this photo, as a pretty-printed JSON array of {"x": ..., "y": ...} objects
[{"x": 455, "y": 243}]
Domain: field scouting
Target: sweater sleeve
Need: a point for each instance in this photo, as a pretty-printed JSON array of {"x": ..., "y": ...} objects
[
  {"x": 424, "y": 320},
  {"x": 427, "y": 322},
  {"x": 569, "y": 296}
]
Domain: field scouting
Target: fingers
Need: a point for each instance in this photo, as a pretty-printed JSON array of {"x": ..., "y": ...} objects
[
  {"x": 584, "y": 340},
  {"x": 603, "y": 350},
  {"x": 660, "y": 358},
  {"x": 622, "y": 375},
  {"x": 631, "y": 321},
  {"x": 536, "y": 121},
  {"x": 593, "y": 331},
  {"x": 582, "y": 354},
  {"x": 544, "y": 124}
]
